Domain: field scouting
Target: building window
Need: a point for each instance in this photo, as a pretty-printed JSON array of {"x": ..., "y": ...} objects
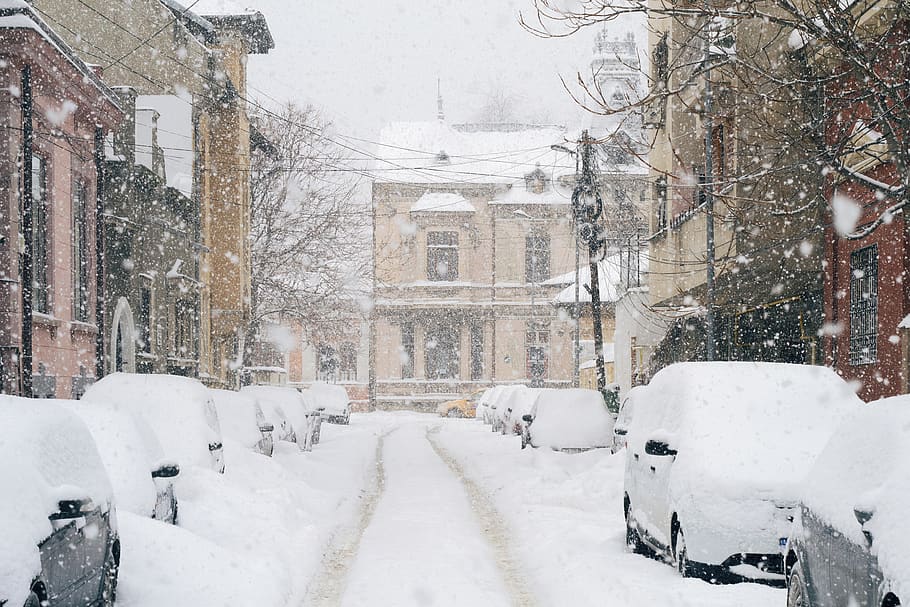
[
  {"x": 145, "y": 319},
  {"x": 348, "y": 362},
  {"x": 863, "y": 305},
  {"x": 80, "y": 255},
  {"x": 184, "y": 323},
  {"x": 660, "y": 199},
  {"x": 660, "y": 62},
  {"x": 326, "y": 363},
  {"x": 537, "y": 345},
  {"x": 442, "y": 351},
  {"x": 40, "y": 245},
  {"x": 442, "y": 256},
  {"x": 537, "y": 258},
  {"x": 407, "y": 351},
  {"x": 477, "y": 352}
]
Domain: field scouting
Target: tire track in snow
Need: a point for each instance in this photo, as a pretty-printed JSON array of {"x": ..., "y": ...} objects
[
  {"x": 331, "y": 579},
  {"x": 492, "y": 525}
]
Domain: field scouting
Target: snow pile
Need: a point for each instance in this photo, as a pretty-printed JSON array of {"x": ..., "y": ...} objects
[
  {"x": 179, "y": 409},
  {"x": 865, "y": 465},
  {"x": 129, "y": 449},
  {"x": 237, "y": 414},
  {"x": 443, "y": 202},
  {"x": 741, "y": 428},
  {"x": 332, "y": 397},
  {"x": 571, "y": 419},
  {"x": 48, "y": 455}
]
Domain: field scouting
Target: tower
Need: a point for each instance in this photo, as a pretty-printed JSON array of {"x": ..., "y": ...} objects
[{"x": 616, "y": 69}]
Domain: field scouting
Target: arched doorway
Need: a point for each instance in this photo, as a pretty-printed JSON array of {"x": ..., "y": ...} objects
[{"x": 122, "y": 355}]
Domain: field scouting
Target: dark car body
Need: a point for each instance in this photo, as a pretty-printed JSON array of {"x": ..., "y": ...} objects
[
  {"x": 833, "y": 570},
  {"x": 79, "y": 561}
]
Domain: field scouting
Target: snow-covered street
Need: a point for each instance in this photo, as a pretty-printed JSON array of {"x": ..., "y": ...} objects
[{"x": 461, "y": 516}]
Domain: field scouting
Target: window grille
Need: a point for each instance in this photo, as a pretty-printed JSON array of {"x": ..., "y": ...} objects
[
  {"x": 537, "y": 258},
  {"x": 864, "y": 305}
]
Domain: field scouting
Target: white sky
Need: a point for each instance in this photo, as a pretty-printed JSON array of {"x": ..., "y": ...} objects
[{"x": 369, "y": 62}]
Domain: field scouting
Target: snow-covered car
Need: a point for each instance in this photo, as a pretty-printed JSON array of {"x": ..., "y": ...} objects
[
  {"x": 58, "y": 524},
  {"x": 333, "y": 400},
  {"x": 570, "y": 420},
  {"x": 483, "y": 404},
  {"x": 623, "y": 420},
  {"x": 141, "y": 475},
  {"x": 848, "y": 543},
  {"x": 513, "y": 407},
  {"x": 302, "y": 416},
  {"x": 459, "y": 407},
  {"x": 243, "y": 420},
  {"x": 715, "y": 456},
  {"x": 496, "y": 407},
  {"x": 179, "y": 410}
]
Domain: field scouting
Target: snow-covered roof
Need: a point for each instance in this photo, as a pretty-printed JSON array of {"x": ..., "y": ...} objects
[
  {"x": 609, "y": 277},
  {"x": 17, "y": 14},
  {"x": 442, "y": 202},
  {"x": 518, "y": 194},
  {"x": 437, "y": 152}
]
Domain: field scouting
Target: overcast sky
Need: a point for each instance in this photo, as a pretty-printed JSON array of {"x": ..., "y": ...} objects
[{"x": 369, "y": 62}]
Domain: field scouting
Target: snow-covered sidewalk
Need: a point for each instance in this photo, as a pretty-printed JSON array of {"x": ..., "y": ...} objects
[
  {"x": 564, "y": 515},
  {"x": 257, "y": 534},
  {"x": 424, "y": 544}
]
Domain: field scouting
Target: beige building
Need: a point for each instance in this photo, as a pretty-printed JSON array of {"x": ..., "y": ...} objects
[
  {"x": 768, "y": 210},
  {"x": 464, "y": 250}
]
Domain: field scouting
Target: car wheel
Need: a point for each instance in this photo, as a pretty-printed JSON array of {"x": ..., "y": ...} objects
[
  {"x": 682, "y": 555},
  {"x": 32, "y": 600},
  {"x": 796, "y": 588}
]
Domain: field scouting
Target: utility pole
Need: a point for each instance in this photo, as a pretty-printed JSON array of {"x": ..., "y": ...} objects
[
  {"x": 587, "y": 207},
  {"x": 709, "y": 197},
  {"x": 26, "y": 271}
]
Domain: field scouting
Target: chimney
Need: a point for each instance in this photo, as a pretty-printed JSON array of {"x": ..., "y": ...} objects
[{"x": 125, "y": 136}]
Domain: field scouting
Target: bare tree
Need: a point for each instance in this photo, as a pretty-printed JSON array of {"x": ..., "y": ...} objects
[
  {"x": 309, "y": 233},
  {"x": 822, "y": 85}
]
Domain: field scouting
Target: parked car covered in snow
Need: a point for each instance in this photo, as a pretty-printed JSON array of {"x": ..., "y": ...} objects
[
  {"x": 243, "y": 420},
  {"x": 58, "y": 523},
  {"x": 333, "y": 400},
  {"x": 513, "y": 408},
  {"x": 141, "y": 476},
  {"x": 715, "y": 456},
  {"x": 848, "y": 543},
  {"x": 179, "y": 410},
  {"x": 570, "y": 420},
  {"x": 623, "y": 420},
  {"x": 302, "y": 415},
  {"x": 498, "y": 406},
  {"x": 484, "y": 402}
]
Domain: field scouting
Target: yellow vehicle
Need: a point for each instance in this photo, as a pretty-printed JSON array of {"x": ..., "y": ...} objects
[{"x": 460, "y": 407}]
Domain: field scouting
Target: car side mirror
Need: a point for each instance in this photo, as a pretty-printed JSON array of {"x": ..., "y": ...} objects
[
  {"x": 620, "y": 431},
  {"x": 863, "y": 517},
  {"x": 166, "y": 471},
  {"x": 267, "y": 428},
  {"x": 72, "y": 508},
  {"x": 527, "y": 418},
  {"x": 659, "y": 448},
  {"x": 215, "y": 446}
]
